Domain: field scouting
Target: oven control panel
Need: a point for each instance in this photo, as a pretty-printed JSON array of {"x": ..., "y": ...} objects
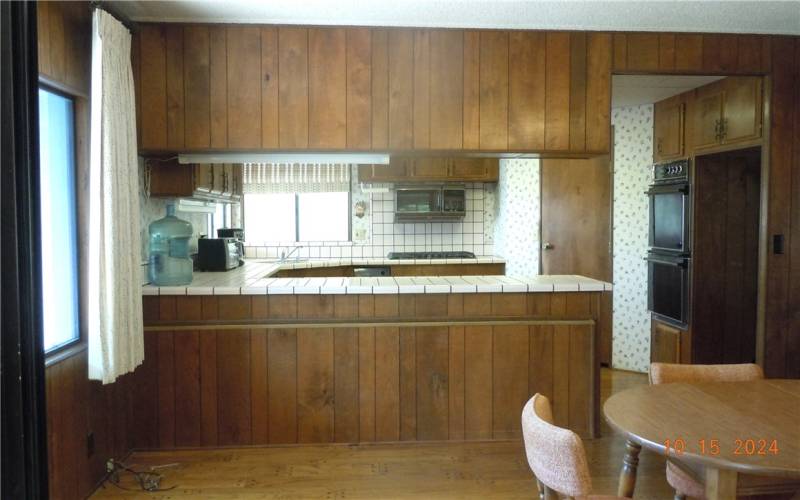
[{"x": 676, "y": 171}]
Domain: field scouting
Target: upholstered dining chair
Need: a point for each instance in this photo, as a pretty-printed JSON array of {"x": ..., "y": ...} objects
[
  {"x": 667, "y": 373},
  {"x": 555, "y": 455}
]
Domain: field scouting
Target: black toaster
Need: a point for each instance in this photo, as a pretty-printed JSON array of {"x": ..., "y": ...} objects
[{"x": 218, "y": 254}]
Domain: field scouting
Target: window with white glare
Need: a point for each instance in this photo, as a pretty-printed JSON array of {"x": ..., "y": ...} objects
[
  {"x": 297, "y": 217},
  {"x": 60, "y": 296},
  {"x": 323, "y": 216}
]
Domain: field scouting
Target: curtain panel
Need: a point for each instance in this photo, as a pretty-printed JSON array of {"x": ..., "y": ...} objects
[
  {"x": 296, "y": 177},
  {"x": 115, "y": 331}
]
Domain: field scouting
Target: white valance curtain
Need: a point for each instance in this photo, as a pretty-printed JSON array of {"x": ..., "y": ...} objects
[
  {"x": 296, "y": 177},
  {"x": 116, "y": 338}
]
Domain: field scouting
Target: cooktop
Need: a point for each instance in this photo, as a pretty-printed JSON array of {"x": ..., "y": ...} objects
[{"x": 430, "y": 255}]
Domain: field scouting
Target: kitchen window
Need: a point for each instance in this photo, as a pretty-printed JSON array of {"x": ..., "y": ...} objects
[
  {"x": 297, "y": 217},
  {"x": 59, "y": 239}
]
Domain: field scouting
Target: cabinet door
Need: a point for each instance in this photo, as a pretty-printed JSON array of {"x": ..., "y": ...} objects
[
  {"x": 474, "y": 169},
  {"x": 433, "y": 169},
  {"x": 707, "y": 116},
  {"x": 218, "y": 179},
  {"x": 665, "y": 343},
  {"x": 204, "y": 177},
  {"x": 741, "y": 115},
  {"x": 668, "y": 129},
  {"x": 237, "y": 183},
  {"x": 398, "y": 170}
]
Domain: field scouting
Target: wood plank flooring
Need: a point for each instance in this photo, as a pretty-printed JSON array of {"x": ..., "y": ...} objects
[{"x": 429, "y": 470}]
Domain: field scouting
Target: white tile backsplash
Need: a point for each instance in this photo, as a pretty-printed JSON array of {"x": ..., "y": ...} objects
[{"x": 384, "y": 235}]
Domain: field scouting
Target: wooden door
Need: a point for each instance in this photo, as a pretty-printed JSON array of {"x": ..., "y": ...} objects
[
  {"x": 474, "y": 169},
  {"x": 576, "y": 227},
  {"x": 742, "y": 110},
  {"x": 668, "y": 129},
  {"x": 576, "y": 217},
  {"x": 707, "y": 116},
  {"x": 434, "y": 169}
]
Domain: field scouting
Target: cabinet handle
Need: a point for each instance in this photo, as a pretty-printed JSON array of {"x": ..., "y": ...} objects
[
  {"x": 658, "y": 145},
  {"x": 718, "y": 129},
  {"x": 723, "y": 132}
]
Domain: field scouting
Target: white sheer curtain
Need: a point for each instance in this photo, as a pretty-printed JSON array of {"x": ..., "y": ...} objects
[{"x": 116, "y": 339}]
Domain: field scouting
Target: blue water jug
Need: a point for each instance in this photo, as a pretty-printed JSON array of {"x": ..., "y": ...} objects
[{"x": 170, "y": 263}]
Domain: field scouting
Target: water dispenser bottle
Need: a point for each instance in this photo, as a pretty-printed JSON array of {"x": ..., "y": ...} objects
[{"x": 170, "y": 263}]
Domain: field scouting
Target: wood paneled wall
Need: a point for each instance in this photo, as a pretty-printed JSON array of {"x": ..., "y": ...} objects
[
  {"x": 65, "y": 43},
  {"x": 353, "y": 383},
  {"x": 250, "y": 87},
  {"x": 725, "y": 255},
  {"x": 75, "y": 406},
  {"x": 779, "y": 58}
]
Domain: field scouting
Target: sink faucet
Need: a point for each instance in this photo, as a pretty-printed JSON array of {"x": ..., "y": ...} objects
[{"x": 285, "y": 256}]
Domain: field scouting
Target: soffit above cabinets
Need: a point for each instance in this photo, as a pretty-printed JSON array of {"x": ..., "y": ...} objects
[
  {"x": 768, "y": 17},
  {"x": 635, "y": 90}
]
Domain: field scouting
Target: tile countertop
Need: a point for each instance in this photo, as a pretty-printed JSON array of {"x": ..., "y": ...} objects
[{"x": 253, "y": 279}]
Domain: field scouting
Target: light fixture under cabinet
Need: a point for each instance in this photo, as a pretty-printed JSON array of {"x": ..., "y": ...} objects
[{"x": 330, "y": 158}]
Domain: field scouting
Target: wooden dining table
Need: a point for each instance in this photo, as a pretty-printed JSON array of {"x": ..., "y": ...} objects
[{"x": 722, "y": 433}]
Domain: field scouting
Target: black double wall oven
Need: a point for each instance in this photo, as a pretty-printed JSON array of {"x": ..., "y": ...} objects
[{"x": 669, "y": 255}]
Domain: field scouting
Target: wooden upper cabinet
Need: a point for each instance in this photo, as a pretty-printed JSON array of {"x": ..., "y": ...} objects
[
  {"x": 477, "y": 169},
  {"x": 217, "y": 182},
  {"x": 327, "y": 88},
  {"x": 197, "y": 86},
  {"x": 741, "y": 114},
  {"x": 494, "y": 90},
  {"x": 152, "y": 105},
  {"x": 446, "y": 89},
  {"x": 526, "y": 95},
  {"x": 433, "y": 169},
  {"x": 293, "y": 88},
  {"x": 707, "y": 116},
  {"x": 726, "y": 112},
  {"x": 430, "y": 169},
  {"x": 246, "y": 87},
  {"x": 668, "y": 116}
]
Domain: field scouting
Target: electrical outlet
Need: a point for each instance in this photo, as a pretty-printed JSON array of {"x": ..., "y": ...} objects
[
  {"x": 90, "y": 444},
  {"x": 361, "y": 234},
  {"x": 109, "y": 465}
]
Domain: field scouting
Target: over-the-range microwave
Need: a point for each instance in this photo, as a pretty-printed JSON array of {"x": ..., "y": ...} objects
[{"x": 429, "y": 202}]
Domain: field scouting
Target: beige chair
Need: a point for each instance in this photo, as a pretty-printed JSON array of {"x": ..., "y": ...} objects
[
  {"x": 555, "y": 455},
  {"x": 665, "y": 373}
]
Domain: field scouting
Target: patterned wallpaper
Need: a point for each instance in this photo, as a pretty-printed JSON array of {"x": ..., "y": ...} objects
[
  {"x": 518, "y": 215},
  {"x": 633, "y": 157}
]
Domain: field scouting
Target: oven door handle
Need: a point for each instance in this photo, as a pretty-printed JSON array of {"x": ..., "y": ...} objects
[
  {"x": 681, "y": 188},
  {"x": 682, "y": 264}
]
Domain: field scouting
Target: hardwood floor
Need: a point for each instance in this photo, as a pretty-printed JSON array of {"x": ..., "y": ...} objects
[{"x": 430, "y": 470}]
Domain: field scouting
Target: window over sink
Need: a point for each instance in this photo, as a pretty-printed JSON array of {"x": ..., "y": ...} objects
[{"x": 297, "y": 217}]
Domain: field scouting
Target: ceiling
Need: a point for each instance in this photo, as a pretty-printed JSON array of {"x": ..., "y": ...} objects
[
  {"x": 635, "y": 90},
  {"x": 768, "y": 17}
]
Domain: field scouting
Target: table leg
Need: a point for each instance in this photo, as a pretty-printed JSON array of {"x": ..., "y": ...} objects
[
  {"x": 720, "y": 484},
  {"x": 627, "y": 476}
]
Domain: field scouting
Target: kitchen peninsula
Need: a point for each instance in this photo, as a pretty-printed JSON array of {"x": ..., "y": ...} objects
[{"x": 262, "y": 360}]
